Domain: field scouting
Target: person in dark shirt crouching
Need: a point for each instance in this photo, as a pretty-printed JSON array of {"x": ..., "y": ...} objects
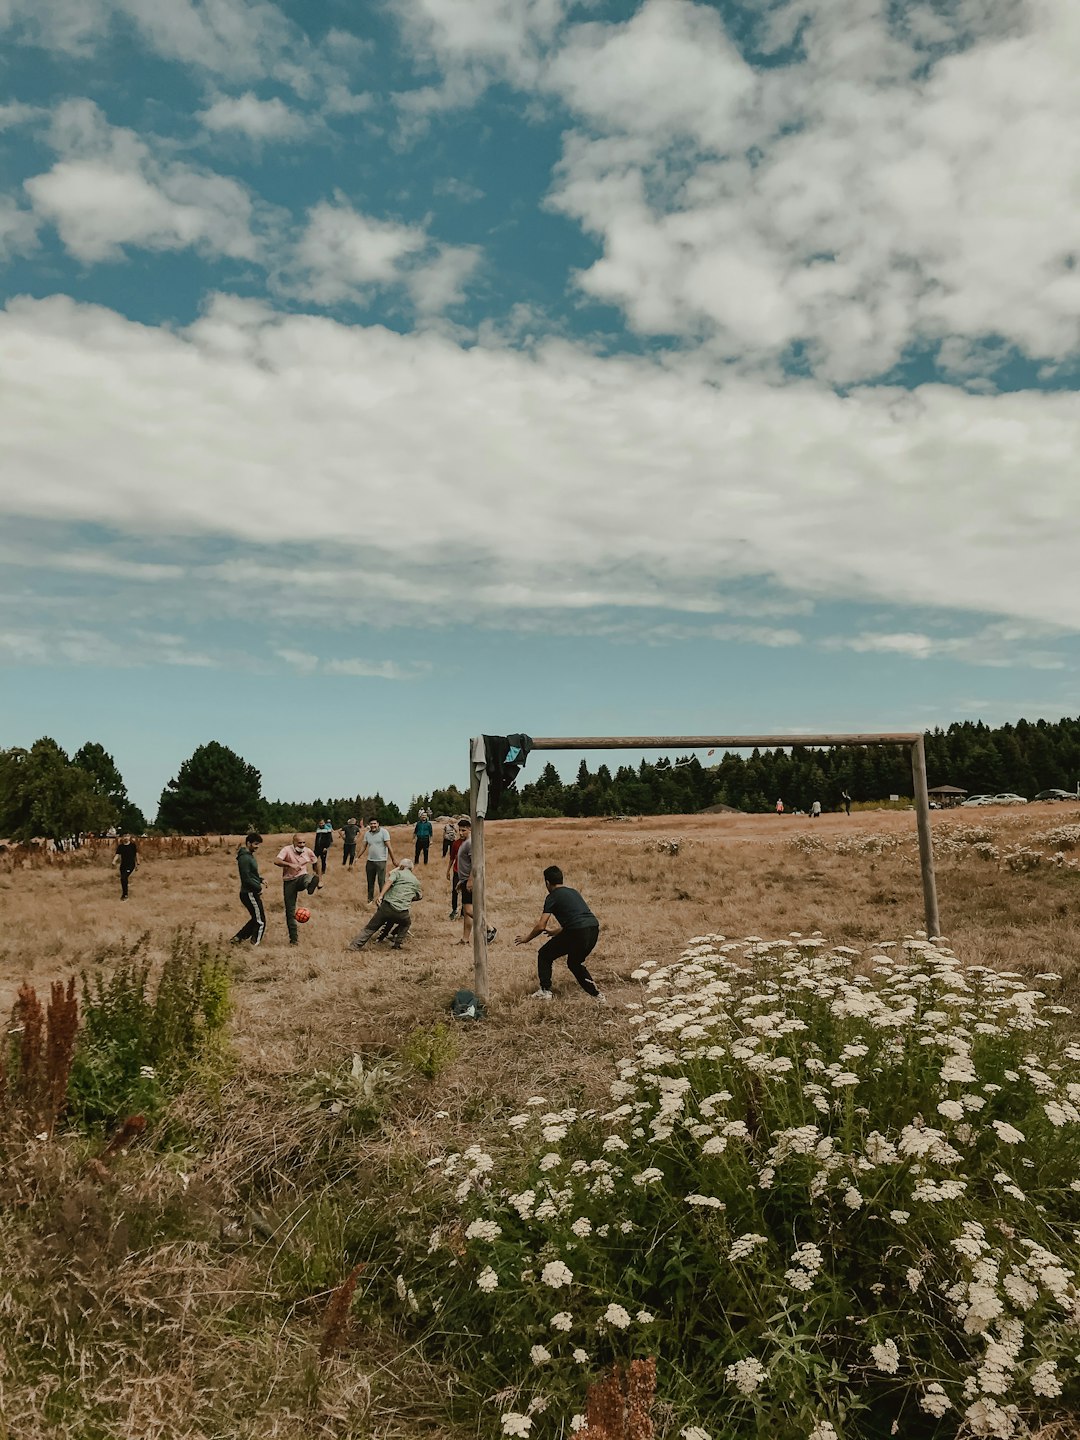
[{"x": 578, "y": 933}]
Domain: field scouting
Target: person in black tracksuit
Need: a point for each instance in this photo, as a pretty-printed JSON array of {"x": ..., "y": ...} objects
[
  {"x": 251, "y": 883},
  {"x": 578, "y": 933},
  {"x": 127, "y": 857}
]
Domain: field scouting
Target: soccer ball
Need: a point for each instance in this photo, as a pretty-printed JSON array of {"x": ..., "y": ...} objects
[{"x": 303, "y": 914}]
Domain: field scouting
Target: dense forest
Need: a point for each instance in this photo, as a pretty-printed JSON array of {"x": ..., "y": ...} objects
[
  {"x": 43, "y": 792},
  {"x": 1025, "y": 757}
]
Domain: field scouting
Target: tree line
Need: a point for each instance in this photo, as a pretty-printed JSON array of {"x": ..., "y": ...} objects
[{"x": 46, "y": 793}]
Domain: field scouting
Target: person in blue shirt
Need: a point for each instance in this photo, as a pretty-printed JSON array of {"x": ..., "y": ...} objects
[{"x": 422, "y": 835}]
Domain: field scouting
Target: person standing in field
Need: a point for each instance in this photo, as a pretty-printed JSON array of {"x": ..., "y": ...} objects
[
  {"x": 422, "y": 836},
  {"x": 815, "y": 810},
  {"x": 846, "y": 798},
  {"x": 349, "y": 832},
  {"x": 324, "y": 839},
  {"x": 377, "y": 848},
  {"x": 461, "y": 866},
  {"x": 392, "y": 912},
  {"x": 451, "y": 869},
  {"x": 251, "y": 884},
  {"x": 576, "y": 938},
  {"x": 127, "y": 857},
  {"x": 293, "y": 860},
  {"x": 779, "y": 807},
  {"x": 449, "y": 835}
]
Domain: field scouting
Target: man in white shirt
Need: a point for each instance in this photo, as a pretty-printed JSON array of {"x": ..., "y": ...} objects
[{"x": 377, "y": 848}]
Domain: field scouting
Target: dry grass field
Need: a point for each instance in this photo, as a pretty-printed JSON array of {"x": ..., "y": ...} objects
[{"x": 184, "y": 1296}]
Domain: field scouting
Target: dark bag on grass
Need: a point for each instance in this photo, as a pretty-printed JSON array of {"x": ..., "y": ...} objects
[{"x": 466, "y": 1006}]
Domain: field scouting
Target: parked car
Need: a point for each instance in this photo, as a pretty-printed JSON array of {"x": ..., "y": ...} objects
[
  {"x": 978, "y": 800},
  {"x": 1056, "y": 795},
  {"x": 1006, "y": 798}
]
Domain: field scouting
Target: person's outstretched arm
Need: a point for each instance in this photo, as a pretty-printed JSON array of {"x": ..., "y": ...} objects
[{"x": 540, "y": 928}]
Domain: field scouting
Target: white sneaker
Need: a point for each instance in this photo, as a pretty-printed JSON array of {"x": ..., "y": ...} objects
[
  {"x": 600, "y": 999},
  {"x": 541, "y": 995}
]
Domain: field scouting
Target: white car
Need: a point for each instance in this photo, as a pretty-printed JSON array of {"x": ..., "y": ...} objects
[
  {"x": 1005, "y": 798},
  {"x": 978, "y": 800}
]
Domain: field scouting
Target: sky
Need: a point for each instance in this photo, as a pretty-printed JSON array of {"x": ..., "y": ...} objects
[{"x": 381, "y": 372}]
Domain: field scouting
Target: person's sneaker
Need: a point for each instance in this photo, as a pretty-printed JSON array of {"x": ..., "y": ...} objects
[
  {"x": 354, "y": 944},
  {"x": 600, "y": 998},
  {"x": 541, "y": 995},
  {"x": 491, "y": 933},
  {"x": 313, "y": 886},
  {"x": 396, "y": 945},
  {"x": 257, "y": 940},
  {"x": 294, "y": 942}
]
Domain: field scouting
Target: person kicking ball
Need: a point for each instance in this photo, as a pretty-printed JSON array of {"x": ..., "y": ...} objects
[{"x": 576, "y": 938}]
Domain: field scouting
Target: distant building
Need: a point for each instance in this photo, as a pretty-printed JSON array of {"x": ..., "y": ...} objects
[{"x": 947, "y": 795}]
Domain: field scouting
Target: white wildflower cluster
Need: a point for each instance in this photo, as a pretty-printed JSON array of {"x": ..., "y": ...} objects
[{"x": 788, "y": 1106}]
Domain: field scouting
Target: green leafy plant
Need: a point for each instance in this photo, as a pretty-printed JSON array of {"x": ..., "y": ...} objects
[
  {"x": 431, "y": 1049},
  {"x": 358, "y": 1094},
  {"x": 141, "y": 1042},
  {"x": 831, "y": 1201}
]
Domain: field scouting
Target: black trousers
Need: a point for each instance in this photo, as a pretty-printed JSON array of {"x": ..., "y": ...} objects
[
  {"x": 422, "y": 847},
  {"x": 125, "y": 876},
  {"x": 348, "y": 853},
  {"x": 576, "y": 945},
  {"x": 253, "y": 930},
  {"x": 320, "y": 856},
  {"x": 446, "y": 846}
]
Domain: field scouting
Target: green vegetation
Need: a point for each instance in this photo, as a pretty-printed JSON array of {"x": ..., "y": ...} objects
[
  {"x": 140, "y": 1041},
  {"x": 215, "y": 790},
  {"x": 829, "y": 1204}
]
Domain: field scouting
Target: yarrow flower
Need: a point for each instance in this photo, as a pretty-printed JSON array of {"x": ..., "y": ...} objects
[
  {"x": 616, "y": 1315},
  {"x": 515, "y": 1424},
  {"x": 1008, "y": 1134},
  {"x": 539, "y": 1355},
  {"x": 483, "y": 1230},
  {"x": 487, "y": 1280},
  {"x": 886, "y": 1357},
  {"x": 746, "y": 1375},
  {"x": 745, "y": 1245},
  {"x": 556, "y": 1274}
]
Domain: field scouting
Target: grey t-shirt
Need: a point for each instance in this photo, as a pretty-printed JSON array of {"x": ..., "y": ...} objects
[
  {"x": 464, "y": 860},
  {"x": 375, "y": 842}
]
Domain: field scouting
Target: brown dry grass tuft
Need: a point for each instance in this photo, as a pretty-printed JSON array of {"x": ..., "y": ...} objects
[{"x": 187, "y": 1298}]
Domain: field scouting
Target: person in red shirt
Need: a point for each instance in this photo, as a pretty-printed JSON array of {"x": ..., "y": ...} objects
[{"x": 451, "y": 870}]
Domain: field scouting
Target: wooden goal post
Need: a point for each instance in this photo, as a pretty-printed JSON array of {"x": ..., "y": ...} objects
[{"x": 914, "y": 742}]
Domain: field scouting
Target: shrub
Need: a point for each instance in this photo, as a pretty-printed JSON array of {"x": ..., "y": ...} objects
[
  {"x": 141, "y": 1043},
  {"x": 827, "y": 1203},
  {"x": 431, "y": 1049},
  {"x": 36, "y": 1057},
  {"x": 359, "y": 1094}
]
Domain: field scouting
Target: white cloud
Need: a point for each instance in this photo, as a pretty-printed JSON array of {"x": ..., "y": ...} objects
[
  {"x": 257, "y": 119},
  {"x": 80, "y": 645},
  {"x": 18, "y": 230},
  {"x": 1001, "y": 644},
  {"x": 864, "y": 199},
  {"x": 342, "y": 255},
  {"x": 308, "y": 664},
  {"x": 901, "y": 176},
  {"x": 109, "y": 190},
  {"x": 505, "y": 483}
]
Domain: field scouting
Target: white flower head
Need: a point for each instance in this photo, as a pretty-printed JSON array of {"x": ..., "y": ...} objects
[
  {"x": 515, "y": 1424},
  {"x": 539, "y": 1355},
  {"x": 618, "y": 1316},
  {"x": 556, "y": 1274},
  {"x": 562, "y": 1321},
  {"x": 487, "y": 1280},
  {"x": 886, "y": 1357}
]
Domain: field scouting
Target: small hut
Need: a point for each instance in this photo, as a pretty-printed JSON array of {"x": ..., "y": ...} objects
[{"x": 947, "y": 795}]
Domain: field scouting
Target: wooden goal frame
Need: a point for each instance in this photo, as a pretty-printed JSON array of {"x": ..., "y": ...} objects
[{"x": 914, "y": 742}]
